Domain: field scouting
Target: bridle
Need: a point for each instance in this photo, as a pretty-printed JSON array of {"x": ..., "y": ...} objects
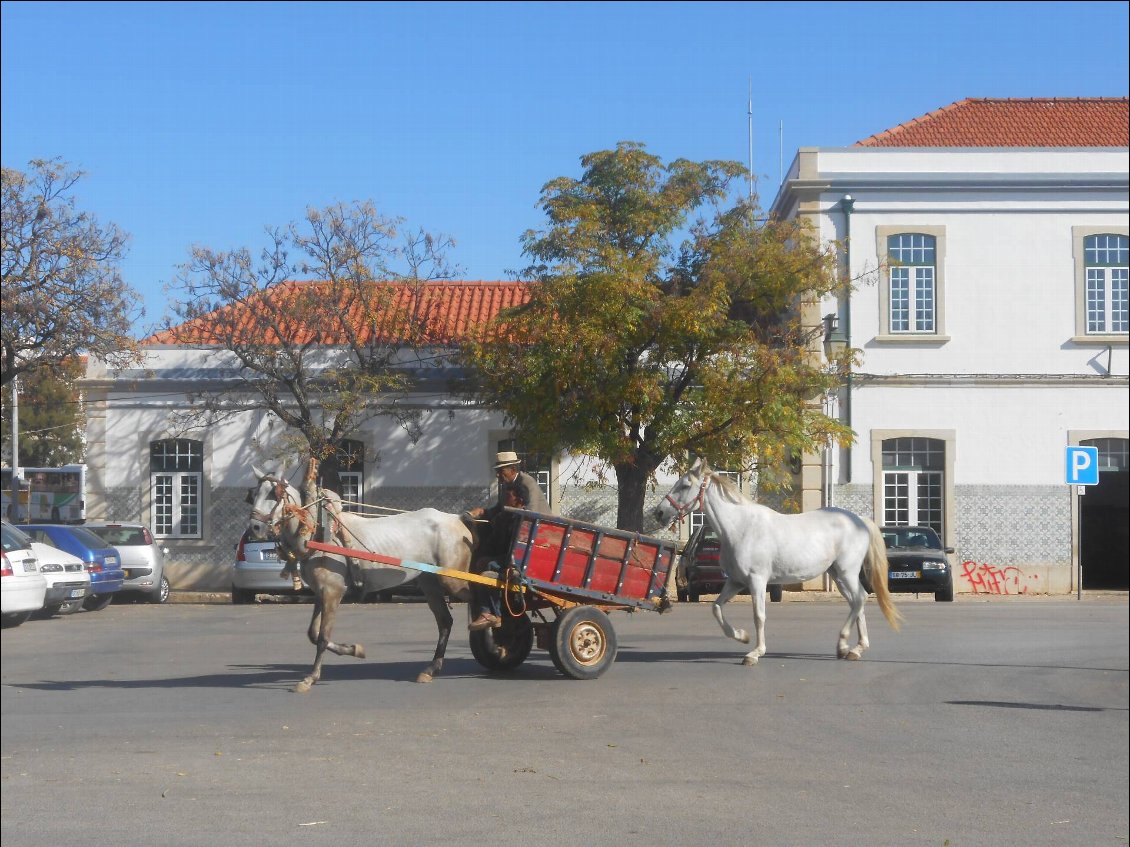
[
  {"x": 283, "y": 507},
  {"x": 681, "y": 511}
]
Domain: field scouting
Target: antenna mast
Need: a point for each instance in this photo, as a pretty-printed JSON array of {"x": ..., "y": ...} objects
[{"x": 751, "y": 139}]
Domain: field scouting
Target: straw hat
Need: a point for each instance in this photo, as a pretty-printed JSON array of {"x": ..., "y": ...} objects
[{"x": 506, "y": 459}]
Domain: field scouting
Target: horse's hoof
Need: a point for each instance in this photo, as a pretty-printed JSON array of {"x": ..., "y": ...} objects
[
  {"x": 853, "y": 656},
  {"x": 842, "y": 653},
  {"x": 303, "y": 686},
  {"x": 424, "y": 677},
  {"x": 749, "y": 661},
  {"x": 742, "y": 636},
  {"x": 359, "y": 651}
]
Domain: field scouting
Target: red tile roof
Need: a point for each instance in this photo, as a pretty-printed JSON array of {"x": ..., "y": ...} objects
[
  {"x": 1035, "y": 122},
  {"x": 430, "y": 313}
]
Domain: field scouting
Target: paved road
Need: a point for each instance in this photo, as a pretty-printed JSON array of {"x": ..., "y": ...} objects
[{"x": 981, "y": 723}]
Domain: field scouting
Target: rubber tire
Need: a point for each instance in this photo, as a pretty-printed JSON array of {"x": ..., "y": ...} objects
[
  {"x": 692, "y": 596},
  {"x": 775, "y": 593},
  {"x": 14, "y": 619},
  {"x": 515, "y": 634},
  {"x": 242, "y": 597},
  {"x": 161, "y": 595},
  {"x": 945, "y": 595},
  {"x": 52, "y": 610},
  {"x": 97, "y": 602},
  {"x": 587, "y": 628}
]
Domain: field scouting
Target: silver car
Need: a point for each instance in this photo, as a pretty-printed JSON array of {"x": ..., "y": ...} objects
[
  {"x": 143, "y": 560},
  {"x": 256, "y": 571}
]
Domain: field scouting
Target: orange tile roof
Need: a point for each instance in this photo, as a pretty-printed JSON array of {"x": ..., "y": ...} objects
[
  {"x": 1035, "y": 122},
  {"x": 430, "y": 313}
]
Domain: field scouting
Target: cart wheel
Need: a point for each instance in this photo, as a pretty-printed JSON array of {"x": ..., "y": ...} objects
[
  {"x": 583, "y": 644},
  {"x": 516, "y": 636}
]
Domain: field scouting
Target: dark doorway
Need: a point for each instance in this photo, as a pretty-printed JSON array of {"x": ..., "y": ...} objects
[{"x": 1104, "y": 532}]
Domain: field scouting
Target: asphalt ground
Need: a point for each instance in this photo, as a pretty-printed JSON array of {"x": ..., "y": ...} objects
[{"x": 982, "y": 722}]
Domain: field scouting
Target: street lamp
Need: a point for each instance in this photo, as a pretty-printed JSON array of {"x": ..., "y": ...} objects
[{"x": 835, "y": 340}]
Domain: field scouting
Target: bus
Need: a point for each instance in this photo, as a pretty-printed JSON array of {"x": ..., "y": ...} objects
[{"x": 47, "y": 495}]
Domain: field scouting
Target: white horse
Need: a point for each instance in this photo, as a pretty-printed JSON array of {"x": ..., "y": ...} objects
[
  {"x": 760, "y": 546},
  {"x": 426, "y": 535}
]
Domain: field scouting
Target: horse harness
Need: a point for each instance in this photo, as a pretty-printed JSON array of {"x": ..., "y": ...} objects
[{"x": 681, "y": 511}]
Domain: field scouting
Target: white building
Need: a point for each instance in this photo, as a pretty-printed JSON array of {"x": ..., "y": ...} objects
[
  {"x": 987, "y": 246},
  {"x": 988, "y": 260}
]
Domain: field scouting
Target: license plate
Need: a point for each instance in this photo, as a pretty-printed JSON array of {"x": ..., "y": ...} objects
[
  {"x": 77, "y": 593},
  {"x": 29, "y": 566},
  {"x": 906, "y": 574},
  {"x": 270, "y": 556}
]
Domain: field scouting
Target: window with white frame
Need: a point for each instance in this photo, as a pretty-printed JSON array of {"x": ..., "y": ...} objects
[
  {"x": 176, "y": 474},
  {"x": 912, "y": 278},
  {"x": 345, "y": 474},
  {"x": 1101, "y": 254},
  {"x": 1105, "y": 269},
  {"x": 914, "y": 483}
]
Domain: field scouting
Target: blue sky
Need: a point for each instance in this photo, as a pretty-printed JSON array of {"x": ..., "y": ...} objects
[{"x": 204, "y": 123}]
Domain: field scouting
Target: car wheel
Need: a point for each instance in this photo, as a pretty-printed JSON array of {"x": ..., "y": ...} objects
[
  {"x": 97, "y": 602},
  {"x": 53, "y": 609},
  {"x": 775, "y": 593},
  {"x": 242, "y": 596},
  {"x": 161, "y": 595},
  {"x": 14, "y": 619},
  {"x": 945, "y": 595},
  {"x": 692, "y": 596}
]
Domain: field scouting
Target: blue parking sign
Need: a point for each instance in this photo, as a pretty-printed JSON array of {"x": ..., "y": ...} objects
[{"x": 1082, "y": 466}]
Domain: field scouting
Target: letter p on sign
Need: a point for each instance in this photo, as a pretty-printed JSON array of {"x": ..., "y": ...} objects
[{"x": 1082, "y": 466}]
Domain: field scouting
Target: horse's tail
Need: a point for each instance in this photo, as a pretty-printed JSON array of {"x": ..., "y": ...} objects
[{"x": 876, "y": 565}]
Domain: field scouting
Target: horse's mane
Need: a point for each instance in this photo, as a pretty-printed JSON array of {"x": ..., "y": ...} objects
[{"x": 729, "y": 489}]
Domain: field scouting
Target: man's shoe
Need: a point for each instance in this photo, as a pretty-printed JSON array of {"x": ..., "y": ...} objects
[{"x": 484, "y": 621}]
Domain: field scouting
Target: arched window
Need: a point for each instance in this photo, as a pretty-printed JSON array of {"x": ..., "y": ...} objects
[
  {"x": 176, "y": 473},
  {"x": 1105, "y": 259},
  {"x": 914, "y": 482},
  {"x": 912, "y": 274}
]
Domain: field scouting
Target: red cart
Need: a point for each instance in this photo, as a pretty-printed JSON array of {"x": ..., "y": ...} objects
[{"x": 562, "y": 578}]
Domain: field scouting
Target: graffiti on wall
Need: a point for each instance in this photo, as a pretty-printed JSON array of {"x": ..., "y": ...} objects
[{"x": 984, "y": 578}]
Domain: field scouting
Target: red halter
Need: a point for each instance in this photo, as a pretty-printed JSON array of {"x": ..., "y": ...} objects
[{"x": 682, "y": 511}]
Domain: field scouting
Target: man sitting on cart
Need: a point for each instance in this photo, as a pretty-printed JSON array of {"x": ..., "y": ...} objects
[
  {"x": 492, "y": 554},
  {"x": 517, "y": 489}
]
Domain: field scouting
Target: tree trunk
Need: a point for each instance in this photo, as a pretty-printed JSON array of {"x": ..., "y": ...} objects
[{"x": 631, "y": 480}]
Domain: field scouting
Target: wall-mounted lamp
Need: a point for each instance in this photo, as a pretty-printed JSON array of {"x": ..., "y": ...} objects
[{"x": 834, "y": 338}]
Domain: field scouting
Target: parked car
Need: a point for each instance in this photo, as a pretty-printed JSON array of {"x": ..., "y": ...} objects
[
  {"x": 256, "y": 571},
  {"x": 917, "y": 562},
  {"x": 699, "y": 570},
  {"x": 102, "y": 562},
  {"x": 143, "y": 559},
  {"x": 68, "y": 581},
  {"x": 22, "y": 586}
]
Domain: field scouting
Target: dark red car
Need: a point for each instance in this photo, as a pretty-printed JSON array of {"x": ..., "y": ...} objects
[{"x": 699, "y": 570}]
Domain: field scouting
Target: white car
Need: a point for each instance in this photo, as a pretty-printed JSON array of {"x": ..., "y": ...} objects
[
  {"x": 22, "y": 586},
  {"x": 68, "y": 582}
]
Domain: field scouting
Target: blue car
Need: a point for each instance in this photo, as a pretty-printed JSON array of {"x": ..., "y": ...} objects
[{"x": 102, "y": 561}]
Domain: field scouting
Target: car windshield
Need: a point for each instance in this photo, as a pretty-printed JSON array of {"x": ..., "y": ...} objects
[
  {"x": 911, "y": 537},
  {"x": 121, "y": 536}
]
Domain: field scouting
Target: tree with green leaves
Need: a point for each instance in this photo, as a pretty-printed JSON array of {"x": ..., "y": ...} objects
[
  {"x": 662, "y": 322},
  {"x": 316, "y": 328},
  {"x": 63, "y": 291},
  {"x": 51, "y": 417}
]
